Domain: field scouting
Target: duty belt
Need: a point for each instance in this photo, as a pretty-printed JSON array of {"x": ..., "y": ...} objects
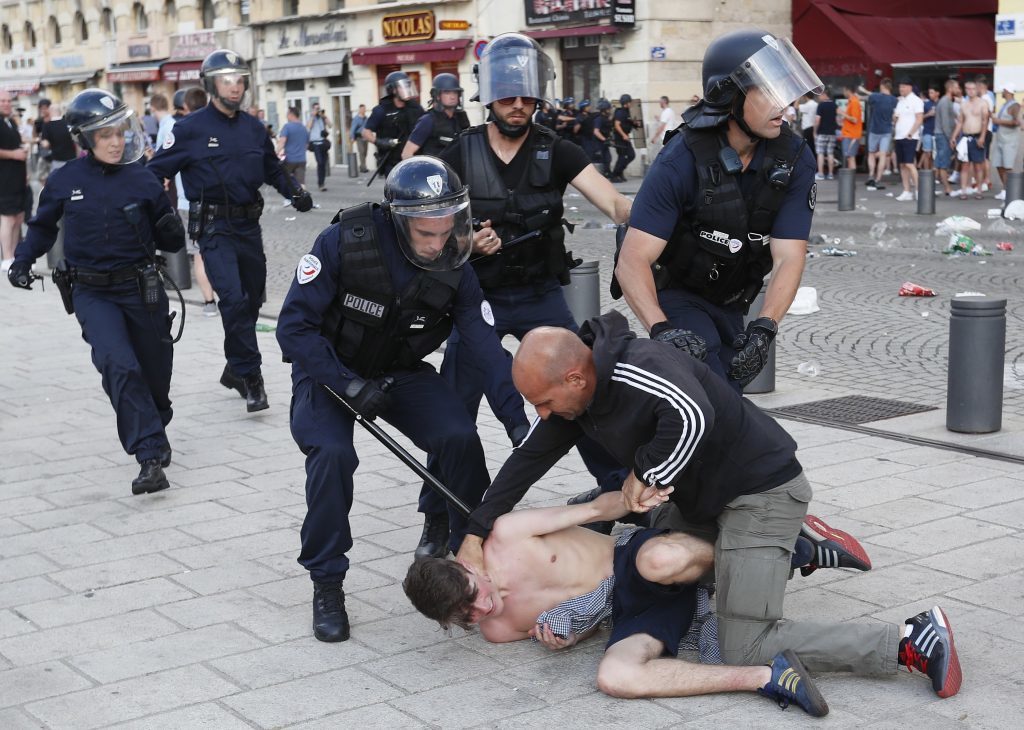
[
  {"x": 216, "y": 210},
  {"x": 106, "y": 278}
]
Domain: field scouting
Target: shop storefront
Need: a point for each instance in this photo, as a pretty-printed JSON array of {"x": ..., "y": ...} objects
[
  {"x": 187, "y": 51},
  {"x": 67, "y": 75},
  {"x": 19, "y": 77}
]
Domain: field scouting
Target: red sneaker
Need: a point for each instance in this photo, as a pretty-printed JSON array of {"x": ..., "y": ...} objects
[
  {"x": 927, "y": 646},
  {"x": 833, "y": 548}
]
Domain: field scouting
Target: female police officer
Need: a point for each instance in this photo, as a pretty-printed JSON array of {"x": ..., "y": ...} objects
[
  {"x": 380, "y": 291},
  {"x": 115, "y": 214},
  {"x": 729, "y": 199}
]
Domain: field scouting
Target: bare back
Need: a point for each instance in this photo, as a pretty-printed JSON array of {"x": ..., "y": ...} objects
[{"x": 535, "y": 574}]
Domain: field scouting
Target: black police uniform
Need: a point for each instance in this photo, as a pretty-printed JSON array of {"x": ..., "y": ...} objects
[
  {"x": 131, "y": 344},
  {"x": 524, "y": 282},
  {"x": 590, "y": 144},
  {"x": 389, "y": 121},
  {"x": 623, "y": 147},
  {"x": 719, "y": 227},
  {"x": 359, "y": 310},
  {"x": 223, "y": 162},
  {"x": 606, "y": 126},
  {"x": 435, "y": 130}
]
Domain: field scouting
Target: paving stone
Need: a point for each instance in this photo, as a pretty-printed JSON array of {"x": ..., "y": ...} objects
[
  {"x": 478, "y": 702},
  {"x": 22, "y": 685},
  {"x": 310, "y": 697},
  {"x": 941, "y": 536},
  {"x": 897, "y": 584},
  {"x": 206, "y": 715},
  {"x": 238, "y": 548},
  {"x": 446, "y": 663},
  {"x": 28, "y": 590},
  {"x": 23, "y": 505},
  {"x": 24, "y": 566},
  {"x": 1011, "y": 515},
  {"x": 157, "y": 518},
  {"x": 985, "y": 560},
  {"x": 954, "y": 474},
  {"x": 63, "y": 641},
  {"x": 119, "y": 548},
  {"x": 164, "y": 652},
  {"x": 221, "y": 578},
  {"x": 11, "y": 624},
  {"x": 238, "y": 525},
  {"x": 103, "y": 602},
  {"x": 15, "y": 719},
  {"x": 292, "y": 660},
  {"x": 902, "y": 513},
  {"x": 1005, "y": 593},
  {"x": 40, "y": 540},
  {"x": 858, "y": 470},
  {"x": 117, "y": 572},
  {"x": 137, "y": 697},
  {"x": 371, "y": 716},
  {"x": 194, "y": 613},
  {"x": 871, "y": 492},
  {"x": 982, "y": 494}
]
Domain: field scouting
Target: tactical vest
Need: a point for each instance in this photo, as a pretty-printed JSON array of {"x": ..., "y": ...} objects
[
  {"x": 373, "y": 328},
  {"x": 443, "y": 132},
  {"x": 534, "y": 205},
  {"x": 722, "y": 252},
  {"x": 398, "y": 123}
]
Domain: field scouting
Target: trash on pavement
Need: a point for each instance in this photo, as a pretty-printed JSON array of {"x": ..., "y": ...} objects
[
  {"x": 260, "y": 327},
  {"x": 878, "y": 230},
  {"x": 836, "y": 251},
  {"x": 809, "y": 368},
  {"x": 805, "y": 301},
  {"x": 960, "y": 245},
  {"x": 956, "y": 224},
  {"x": 910, "y": 289},
  {"x": 970, "y": 294},
  {"x": 290, "y": 218},
  {"x": 1001, "y": 226},
  {"x": 1004, "y": 246},
  {"x": 994, "y": 212},
  {"x": 1014, "y": 211}
]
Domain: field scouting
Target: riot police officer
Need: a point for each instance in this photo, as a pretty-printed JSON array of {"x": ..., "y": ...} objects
[
  {"x": 115, "y": 215},
  {"x": 179, "y": 104},
  {"x": 393, "y": 119},
  {"x": 517, "y": 173},
  {"x": 603, "y": 128},
  {"x": 584, "y": 129},
  {"x": 729, "y": 199},
  {"x": 439, "y": 127},
  {"x": 622, "y": 126},
  {"x": 380, "y": 291},
  {"x": 224, "y": 156}
]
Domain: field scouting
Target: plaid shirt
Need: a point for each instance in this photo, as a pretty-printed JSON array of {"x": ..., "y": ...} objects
[{"x": 582, "y": 613}]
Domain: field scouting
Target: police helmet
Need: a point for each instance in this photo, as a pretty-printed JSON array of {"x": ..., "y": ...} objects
[
  {"x": 429, "y": 207},
  {"x": 514, "y": 65},
  {"x": 95, "y": 117},
  {"x": 625, "y": 99},
  {"x": 179, "y": 99},
  {"x": 444, "y": 82},
  {"x": 228, "y": 65},
  {"x": 398, "y": 84},
  {"x": 603, "y": 105},
  {"x": 584, "y": 104},
  {"x": 569, "y": 101},
  {"x": 743, "y": 60}
]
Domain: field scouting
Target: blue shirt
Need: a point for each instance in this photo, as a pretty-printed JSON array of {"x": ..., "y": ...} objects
[
  {"x": 221, "y": 159},
  {"x": 296, "y": 140},
  {"x": 881, "y": 108},
  {"x": 423, "y": 129},
  {"x": 669, "y": 192},
  {"x": 90, "y": 198},
  {"x": 358, "y": 123},
  {"x": 928, "y": 128},
  {"x": 312, "y": 356}
]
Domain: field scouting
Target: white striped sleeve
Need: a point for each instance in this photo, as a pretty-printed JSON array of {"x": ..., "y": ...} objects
[{"x": 689, "y": 413}]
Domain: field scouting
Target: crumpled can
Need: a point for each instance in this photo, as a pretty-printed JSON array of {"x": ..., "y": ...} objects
[
  {"x": 836, "y": 251},
  {"x": 910, "y": 289},
  {"x": 1004, "y": 246}
]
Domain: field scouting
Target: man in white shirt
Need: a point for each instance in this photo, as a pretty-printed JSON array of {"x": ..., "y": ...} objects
[
  {"x": 908, "y": 118},
  {"x": 668, "y": 121},
  {"x": 808, "y": 111}
]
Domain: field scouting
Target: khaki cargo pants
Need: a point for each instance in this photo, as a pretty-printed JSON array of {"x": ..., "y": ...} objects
[{"x": 754, "y": 539}]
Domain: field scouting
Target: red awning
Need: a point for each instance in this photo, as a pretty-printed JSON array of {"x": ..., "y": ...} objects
[
  {"x": 845, "y": 38},
  {"x": 453, "y": 50},
  {"x": 567, "y": 32},
  {"x": 179, "y": 71}
]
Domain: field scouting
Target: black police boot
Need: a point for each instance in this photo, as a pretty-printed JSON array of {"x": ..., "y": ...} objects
[
  {"x": 165, "y": 456},
  {"x": 602, "y": 526},
  {"x": 151, "y": 478},
  {"x": 434, "y": 540},
  {"x": 255, "y": 393},
  {"x": 330, "y": 620},
  {"x": 231, "y": 381}
]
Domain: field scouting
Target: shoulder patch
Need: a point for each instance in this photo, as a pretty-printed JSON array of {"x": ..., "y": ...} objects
[
  {"x": 308, "y": 269},
  {"x": 812, "y": 196},
  {"x": 486, "y": 312},
  {"x": 168, "y": 140}
]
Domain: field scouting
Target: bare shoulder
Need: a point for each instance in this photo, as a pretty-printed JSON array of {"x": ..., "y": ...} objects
[{"x": 501, "y": 630}]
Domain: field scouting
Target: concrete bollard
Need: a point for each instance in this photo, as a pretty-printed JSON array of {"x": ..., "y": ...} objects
[
  {"x": 56, "y": 252},
  {"x": 847, "y": 189},
  {"x": 1014, "y": 188},
  {"x": 926, "y": 192},
  {"x": 977, "y": 350},
  {"x": 178, "y": 268},
  {"x": 765, "y": 380},
  {"x": 353, "y": 165},
  {"x": 583, "y": 295}
]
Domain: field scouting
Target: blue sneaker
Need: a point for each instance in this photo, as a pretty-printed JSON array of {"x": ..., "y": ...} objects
[{"x": 791, "y": 683}]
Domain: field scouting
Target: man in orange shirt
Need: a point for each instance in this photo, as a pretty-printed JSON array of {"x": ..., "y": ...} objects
[{"x": 853, "y": 127}]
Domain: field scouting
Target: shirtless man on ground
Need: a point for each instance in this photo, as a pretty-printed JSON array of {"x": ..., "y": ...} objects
[
  {"x": 536, "y": 559},
  {"x": 973, "y": 124}
]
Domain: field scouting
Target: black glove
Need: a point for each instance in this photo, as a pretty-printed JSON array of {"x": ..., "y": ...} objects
[
  {"x": 753, "y": 345},
  {"x": 369, "y": 397},
  {"x": 685, "y": 340},
  {"x": 519, "y": 433},
  {"x": 20, "y": 275},
  {"x": 302, "y": 201},
  {"x": 169, "y": 233},
  {"x": 385, "y": 143}
]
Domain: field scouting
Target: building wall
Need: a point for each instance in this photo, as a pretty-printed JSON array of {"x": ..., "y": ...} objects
[{"x": 1010, "y": 47}]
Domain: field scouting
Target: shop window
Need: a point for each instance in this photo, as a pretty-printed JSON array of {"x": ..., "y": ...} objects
[
  {"x": 81, "y": 29},
  {"x": 291, "y": 7},
  {"x": 6, "y": 41},
  {"x": 335, "y": 4},
  {"x": 54, "y": 31},
  {"x": 170, "y": 13},
  {"x": 107, "y": 24},
  {"x": 295, "y": 85},
  {"x": 30, "y": 34},
  {"x": 208, "y": 14},
  {"x": 571, "y": 41},
  {"x": 591, "y": 40},
  {"x": 141, "y": 20}
]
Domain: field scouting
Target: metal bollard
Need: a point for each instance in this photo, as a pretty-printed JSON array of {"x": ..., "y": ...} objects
[
  {"x": 583, "y": 295},
  {"x": 926, "y": 192},
  {"x": 56, "y": 252},
  {"x": 847, "y": 189},
  {"x": 353, "y": 165},
  {"x": 178, "y": 268},
  {"x": 977, "y": 349},
  {"x": 765, "y": 380},
  {"x": 1014, "y": 188}
]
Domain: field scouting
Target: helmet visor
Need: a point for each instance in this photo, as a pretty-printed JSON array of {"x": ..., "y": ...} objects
[
  {"x": 405, "y": 89},
  {"x": 116, "y": 140},
  {"x": 513, "y": 71},
  {"x": 435, "y": 235},
  {"x": 778, "y": 71}
]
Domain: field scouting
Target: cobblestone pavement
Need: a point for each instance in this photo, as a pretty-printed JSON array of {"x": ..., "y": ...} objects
[{"x": 187, "y": 608}]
